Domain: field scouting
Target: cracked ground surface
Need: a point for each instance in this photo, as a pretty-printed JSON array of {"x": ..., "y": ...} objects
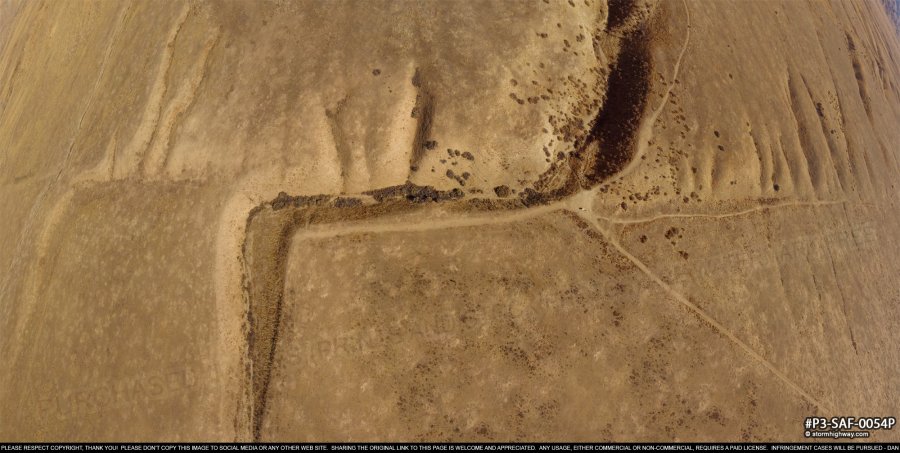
[{"x": 644, "y": 220}]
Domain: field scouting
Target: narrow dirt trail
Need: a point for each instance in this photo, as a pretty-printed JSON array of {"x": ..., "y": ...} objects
[
  {"x": 452, "y": 221},
  {"x": 580, "y": 205},
  {"x": 706, "y": 317},
  {"x": 702, "y": 215},
  {"x": 580, "y": 201}
]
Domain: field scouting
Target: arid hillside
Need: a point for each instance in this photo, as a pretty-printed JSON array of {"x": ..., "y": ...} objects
[{"x": 348, "y": 220}]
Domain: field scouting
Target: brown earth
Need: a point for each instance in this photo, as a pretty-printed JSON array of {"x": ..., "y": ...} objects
[{"x": 552, "y": 220}]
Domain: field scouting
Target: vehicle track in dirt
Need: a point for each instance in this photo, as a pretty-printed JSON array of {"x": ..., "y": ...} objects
[{"x": 603, "y": 157}]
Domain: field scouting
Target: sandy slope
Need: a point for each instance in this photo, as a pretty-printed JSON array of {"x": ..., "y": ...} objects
[{"x": 656, "y": 220}]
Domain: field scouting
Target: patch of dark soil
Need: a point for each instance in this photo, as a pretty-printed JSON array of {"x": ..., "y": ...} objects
[
  {"x": 423, "y": 112},
  {"x": 619, "y": 12},
  {"x": 345, "y": 202},
  {"x": 616, "y": 125},
  {"x": 546, "y": 190},
  {"x": 284, "y": 200},
  {"x": 415, "y": 193},
  {"x": 531, "y": 197},
  {"x": 459, "y": 179},
  {"x": 502, "y": 191},
  {"x": 486, "y": 205}
]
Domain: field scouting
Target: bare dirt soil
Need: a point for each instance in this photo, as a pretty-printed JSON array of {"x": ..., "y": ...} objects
[{"x": 348, "y": 221}]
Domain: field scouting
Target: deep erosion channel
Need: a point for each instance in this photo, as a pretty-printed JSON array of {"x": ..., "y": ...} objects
[{"x": 605, "y": 151}]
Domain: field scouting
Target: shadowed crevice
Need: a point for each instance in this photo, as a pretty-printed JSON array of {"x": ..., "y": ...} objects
[
  {"x": 616, "y": 126},
  {"x": 619, "y": 12},
  {"x": 423, "y": 113},
  {"x": 611, "y": 142}
]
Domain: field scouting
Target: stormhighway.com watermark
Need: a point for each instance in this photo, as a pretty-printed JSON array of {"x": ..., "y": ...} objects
[{"x": 846, "y": 427}]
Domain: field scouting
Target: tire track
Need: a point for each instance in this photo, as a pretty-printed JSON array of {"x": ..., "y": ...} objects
[{"x": 707, "y": 319}]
